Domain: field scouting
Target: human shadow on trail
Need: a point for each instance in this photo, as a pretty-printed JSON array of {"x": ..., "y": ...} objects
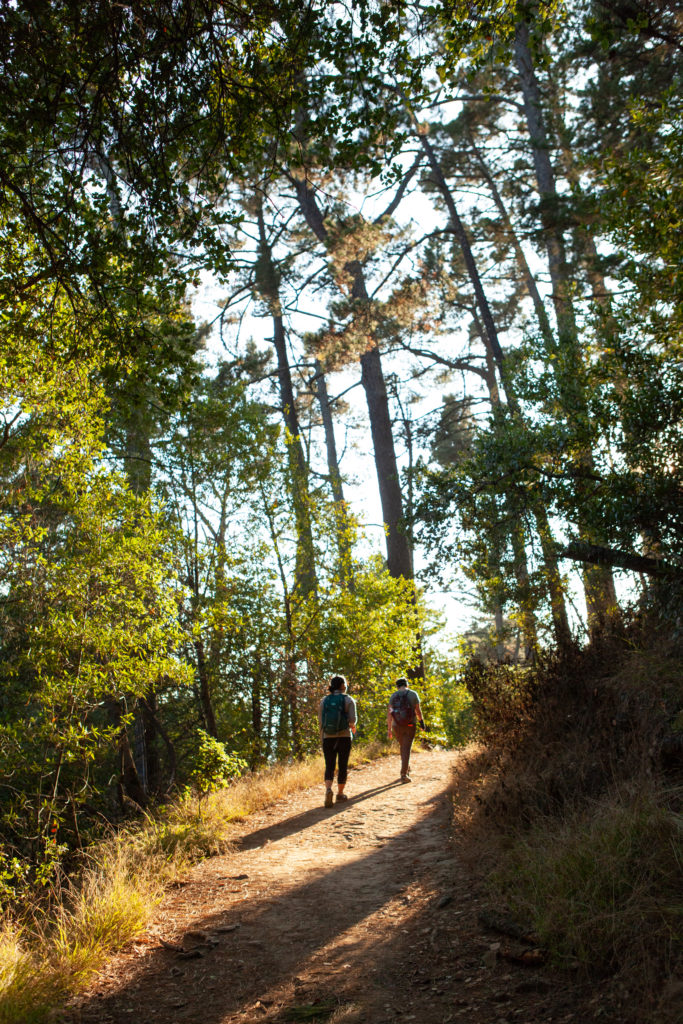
[
  {"x": 264, "y": 941},
  {"x": 282, "y": 829}
]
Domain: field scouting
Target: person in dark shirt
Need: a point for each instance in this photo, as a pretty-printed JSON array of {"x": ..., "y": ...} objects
[{"x": 402, "y": 713}]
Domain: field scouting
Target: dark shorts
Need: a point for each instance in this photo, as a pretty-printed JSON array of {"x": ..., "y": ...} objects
[{"x": 336, "y": 747}]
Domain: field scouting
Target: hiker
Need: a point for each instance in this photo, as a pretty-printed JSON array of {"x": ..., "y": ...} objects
[
  {"x": 337, "y": 720},
  {"x": 402, "y": 712}
]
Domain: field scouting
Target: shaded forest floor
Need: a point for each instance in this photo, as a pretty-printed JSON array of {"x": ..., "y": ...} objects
[{"x": 359, "y": 913}]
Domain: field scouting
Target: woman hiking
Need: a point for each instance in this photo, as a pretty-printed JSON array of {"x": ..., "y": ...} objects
[{"x": 337, "y": 721}]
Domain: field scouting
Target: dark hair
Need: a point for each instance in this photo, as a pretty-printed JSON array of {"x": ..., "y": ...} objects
[
  {"x": 337, "y": 683},
  {"x": 402, "y": 682}
]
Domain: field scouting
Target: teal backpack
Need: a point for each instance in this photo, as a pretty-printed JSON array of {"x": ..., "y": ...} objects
[{"x": 334, "y": 717}]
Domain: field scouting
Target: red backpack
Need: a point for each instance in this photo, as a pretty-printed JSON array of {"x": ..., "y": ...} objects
[{"x": 401, "y": 708}]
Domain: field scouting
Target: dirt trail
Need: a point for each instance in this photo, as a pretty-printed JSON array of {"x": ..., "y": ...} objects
[{"x": 354, "y": 914}]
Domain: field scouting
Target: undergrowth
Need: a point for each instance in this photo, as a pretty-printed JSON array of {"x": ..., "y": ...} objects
[
  {"x": 572, "y": 807},
  {"x": 51, "y": 948},
  {"x": 602, "y": 885}
]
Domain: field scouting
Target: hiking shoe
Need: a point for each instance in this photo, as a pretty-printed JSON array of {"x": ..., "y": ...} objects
[
  {"x": 329, "y": 798},
  {"x": 341, "y": 796}
]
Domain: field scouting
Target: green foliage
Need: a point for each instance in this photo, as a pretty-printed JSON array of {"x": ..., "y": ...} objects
[
  {"x": 448, "y": 709},
  {"x": 88, "y": 610},
  {"x": 118, "y": 167},
  {"x": 117, "y": 133},
  {"x": 477, "y": 34},
  {"x": 475, "y": 511},
  {"x": 369, "y": 635},
  {"x": 213, "y": 767},
  {"x": 13, "y": 877}
]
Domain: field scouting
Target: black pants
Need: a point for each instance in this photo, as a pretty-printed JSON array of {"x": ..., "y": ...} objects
[{"x": 336, "y": 747}]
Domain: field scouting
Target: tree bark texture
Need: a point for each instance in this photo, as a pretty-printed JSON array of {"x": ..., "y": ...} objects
[
  {"x": 520, "y": 256},
  {"x": 343, "y": 526},
  {"x": 553, "y": 578},
  {"x": 490, "y": 330},
  {"x": 205, "y": 690},
  {"x": 267, "y": 281},
  {"x": 597, "y": 554}
]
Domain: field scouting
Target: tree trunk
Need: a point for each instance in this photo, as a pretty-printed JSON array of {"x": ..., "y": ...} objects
[
  {"x": 149, "y": 717},
  {"x": 583, "y": 234},
  {"x": 129, "y": 785},
  {"x": 558, "y": 608},
  {"x": 292, "y": 698},
  {"x": 520, "y": 256},
  {"x": 399, "y": 555},
  {"x": 490, "y": 331},
  {"x": 526, "y": 611},
  {"x": 342, "y": 523},
  {"x": 549, "y": 199},
  {"x": 257, "y": 757},
  {"x": 205, "y": 690},
  {"x": 516, "y": 528},
  {"x": 151, "y": 713},
  {"x": 495, "y": 357},
  {"x": 601, "y": 600},
  {"x": 499, "y": 628},
  {"x": 289, "y": 690},
  {"x": 138, "y": 468},
  {"x": 597, "y": 554},
  {"x": 305, "y": 572},
  {"x": 270, "y": 717},
  {"x": 267, "y": 282}
]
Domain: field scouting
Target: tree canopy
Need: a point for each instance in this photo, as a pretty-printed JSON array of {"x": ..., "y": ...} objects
[{"x": 466, "y": 213}]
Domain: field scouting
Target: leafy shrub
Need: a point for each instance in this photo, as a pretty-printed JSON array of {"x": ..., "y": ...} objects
[
  {"x": 213, "y": 767},
  {"x": 450, "y": 709},
  {"x": 502, "y": 699}
]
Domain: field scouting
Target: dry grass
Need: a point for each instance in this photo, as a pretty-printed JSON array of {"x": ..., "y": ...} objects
[
  {"x": 21, "y": 987},
  {"x": 602, "y": 885},
  {"x": 571, "y": 812},
  {"x": 43, "y": 962}
]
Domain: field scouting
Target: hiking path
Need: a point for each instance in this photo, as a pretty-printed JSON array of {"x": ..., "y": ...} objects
[{"x": 357, "y": 914}]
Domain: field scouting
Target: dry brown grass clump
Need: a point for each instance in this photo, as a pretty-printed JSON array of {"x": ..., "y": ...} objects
[{"x": 45, "y": 958}]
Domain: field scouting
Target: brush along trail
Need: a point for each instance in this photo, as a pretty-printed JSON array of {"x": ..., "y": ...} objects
[{"x": 357, "y": 914}]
